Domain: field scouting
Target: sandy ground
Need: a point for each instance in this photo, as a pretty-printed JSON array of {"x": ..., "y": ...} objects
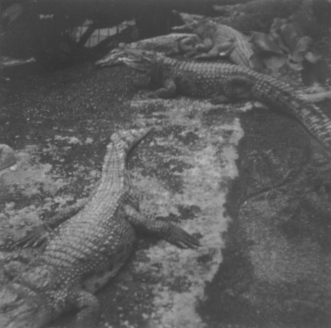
[{"x": 246, "y": 181}]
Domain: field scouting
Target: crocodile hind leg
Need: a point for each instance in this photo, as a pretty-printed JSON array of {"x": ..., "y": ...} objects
[
  {"x": 13, "y": 269},
  {"x": 235, "y": 88},
  {"x": 89, "y": 309},
  {"x": 162, "y": 229},
  {"x": 238, "y": 88}
]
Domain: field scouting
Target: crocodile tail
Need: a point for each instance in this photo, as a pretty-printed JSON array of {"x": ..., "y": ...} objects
[
  {"x": 317, "y": 124},
  {"x": 129, "y": 139}
]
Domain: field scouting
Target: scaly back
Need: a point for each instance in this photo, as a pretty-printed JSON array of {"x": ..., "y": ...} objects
[{"x": 122, "y": 143}]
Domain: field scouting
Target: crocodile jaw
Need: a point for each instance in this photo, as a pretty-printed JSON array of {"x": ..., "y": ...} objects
[
  {"x": 136, "y": 64},
  {"x": 114, "y": 58},
  {"x": 140, "y": 60}
]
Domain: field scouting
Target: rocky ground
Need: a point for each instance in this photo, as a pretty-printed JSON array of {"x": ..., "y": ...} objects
[{"x": 248, "y": 182}]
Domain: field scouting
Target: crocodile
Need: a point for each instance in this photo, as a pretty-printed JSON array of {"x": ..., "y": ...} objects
[
  {"x": 85, "y": 251},
  {"x": 223, "y": 82},
  {"x": 255, "y": 15},
  {"x": 169, "y": 44},
  {"x": 218, "y": 40}
]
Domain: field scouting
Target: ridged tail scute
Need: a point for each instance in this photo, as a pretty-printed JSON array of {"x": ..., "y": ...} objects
[
  {"x": 317, "y": 124},
  {"x": 7, "y": 157},
  {"x": 129, "y": 139}
]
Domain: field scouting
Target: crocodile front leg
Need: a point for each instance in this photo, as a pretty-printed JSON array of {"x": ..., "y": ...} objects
[
  {"x": 315, "y": 97},
  {"x": 221, "y": 50},
  {"x": 140, "y": 85},
  {"x": 234, "y": 89},
  {"x": 41, "y": 233},
  {"x": 164, "y": 230},
  {"x": 205, "y": 46},
  {"x": 187, "y": 45},
  {"x": 168, "y": 91}
]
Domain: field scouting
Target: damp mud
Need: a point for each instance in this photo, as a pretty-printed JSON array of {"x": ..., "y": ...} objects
[{"x": 248, "y": 182}]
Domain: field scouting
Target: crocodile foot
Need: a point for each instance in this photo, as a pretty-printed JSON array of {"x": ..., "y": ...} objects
[
  {"x": 39, "y": 235},
  {"x": 181, "y": 238}
]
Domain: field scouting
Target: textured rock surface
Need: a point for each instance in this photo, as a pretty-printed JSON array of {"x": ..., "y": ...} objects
[{"x": 272, "y": 266}]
